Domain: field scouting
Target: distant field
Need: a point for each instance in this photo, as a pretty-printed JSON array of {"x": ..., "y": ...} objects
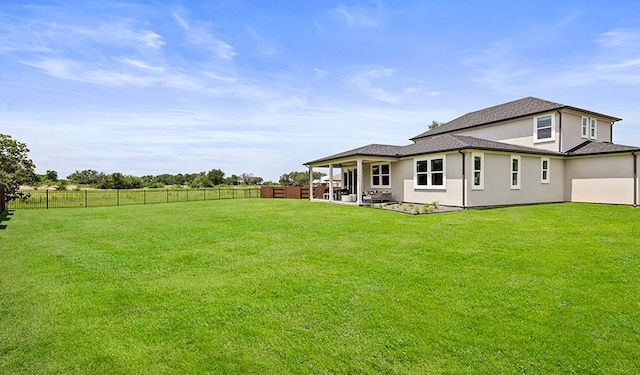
[
  {"x": 268, "y": 286},
  {"x": 47, "y": 198}
]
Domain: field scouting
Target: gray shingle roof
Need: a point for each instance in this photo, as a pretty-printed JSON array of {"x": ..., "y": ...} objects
[
  {"x": 594, "y": 148},
  {"x": 439, "y": 143},
  {"x": 511, "y": 110},
  {"x": 448, "y": 142},
  {"x": 368, "y": 150}
]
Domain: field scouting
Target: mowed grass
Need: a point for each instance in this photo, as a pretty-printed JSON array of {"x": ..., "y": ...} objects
[{"x": 286, "y": 286}]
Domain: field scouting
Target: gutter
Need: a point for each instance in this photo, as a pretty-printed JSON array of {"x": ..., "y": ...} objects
[
  {"x": 464, "y": 180},
  {"x": 635, "y": 179}
]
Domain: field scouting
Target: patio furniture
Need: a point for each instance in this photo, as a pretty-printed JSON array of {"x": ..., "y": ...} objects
[{"x": 377, "y": 196}]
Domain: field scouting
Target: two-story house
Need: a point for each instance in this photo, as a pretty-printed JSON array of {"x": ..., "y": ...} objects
[{"x": 522, "y": 152}]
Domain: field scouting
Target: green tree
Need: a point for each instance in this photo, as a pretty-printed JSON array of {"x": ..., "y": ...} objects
[
  {"x": 216, "y": 176},
  {"x": 434, "y": 124},
  {"x": 296, "y": 178},
  {"x": 51, "y": 176},
  {"x": 15, "y": 166},
  {"x": 231, "y": 180},
  {"x": 202, "y": 181},
  {"x": 250, "y": 179},
  {"x": 87, "y": 177}
]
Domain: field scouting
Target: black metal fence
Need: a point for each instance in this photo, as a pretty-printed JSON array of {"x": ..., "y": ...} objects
[{"x": 45, "y": 199}]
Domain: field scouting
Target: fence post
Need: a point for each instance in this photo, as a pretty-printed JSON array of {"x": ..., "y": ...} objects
[
  {"x": 167, "y": 190},
  {"x": 117, "y": 197},
  {"x": 144, "y": 196},
  {"x": 86, "y": 201},
  {"x": 47, "y": 195}
]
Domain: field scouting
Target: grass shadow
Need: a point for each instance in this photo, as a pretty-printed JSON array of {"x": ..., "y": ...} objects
[{"x": 5, "y": 216}]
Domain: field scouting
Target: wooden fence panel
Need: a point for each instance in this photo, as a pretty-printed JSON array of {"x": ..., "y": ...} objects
[
  {"x": 266, "y": 192},
  {"x": 290, "y": 192}
]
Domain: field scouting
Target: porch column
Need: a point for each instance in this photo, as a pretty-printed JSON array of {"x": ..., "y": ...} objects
[
  {"x": 360, "y": 179},
  {"x": 330, "y": 182},
  {"x": 310, "y": 183}
]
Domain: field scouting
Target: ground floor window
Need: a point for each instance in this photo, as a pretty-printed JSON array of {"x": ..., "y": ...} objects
[
  {"x": 478, "y": 171},
  {"x": 515, "y": 172},
  {"x": 430, "y": 173},
  {"x": 380, "y": 175},
  {"x": 544, "y": 170}
]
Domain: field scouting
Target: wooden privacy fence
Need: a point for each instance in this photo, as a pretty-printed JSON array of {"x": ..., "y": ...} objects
[{"x": 290, "y": 192}]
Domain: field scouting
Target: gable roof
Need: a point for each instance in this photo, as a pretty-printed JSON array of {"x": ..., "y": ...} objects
[{"x": 518, "y": 108}]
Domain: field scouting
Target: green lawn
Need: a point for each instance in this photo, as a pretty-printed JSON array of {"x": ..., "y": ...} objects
[{"x": 286, "y": 286}]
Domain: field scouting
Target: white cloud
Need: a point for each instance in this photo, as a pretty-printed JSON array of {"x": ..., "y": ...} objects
[
  {"x": 358, "y": 16},
  {"x": 199, "y": 35},
  {"x": 625, "y": 38},
  {"x": 369, "y": 82}
]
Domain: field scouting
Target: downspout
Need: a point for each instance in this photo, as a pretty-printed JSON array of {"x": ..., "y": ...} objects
[
  {"x": 635, "y": 179},
  {"x": 560, "y": 131},
  {"x": 611, "y": 131},
  {"x": 464, "y": 181}
]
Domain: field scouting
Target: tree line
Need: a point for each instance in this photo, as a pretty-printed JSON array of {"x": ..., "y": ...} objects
[
  {"x": 17, "y": 169},
  {"x": 101, "y": 180}
]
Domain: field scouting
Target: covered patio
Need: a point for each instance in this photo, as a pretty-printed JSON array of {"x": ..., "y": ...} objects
[{"x": 360, "y": 170}]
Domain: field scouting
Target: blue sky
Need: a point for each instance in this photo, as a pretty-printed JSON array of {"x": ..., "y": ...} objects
[{"x": 263, "y": 86}]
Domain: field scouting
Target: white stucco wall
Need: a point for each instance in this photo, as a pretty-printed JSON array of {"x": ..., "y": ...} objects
[{"x": 601, "y": 179}]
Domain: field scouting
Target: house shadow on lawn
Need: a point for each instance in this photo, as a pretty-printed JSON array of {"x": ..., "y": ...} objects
[{"x": 5, "y": 216}]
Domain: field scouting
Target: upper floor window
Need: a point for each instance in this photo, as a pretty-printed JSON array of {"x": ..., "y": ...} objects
[
  {"x": 543, "y": 128},
  {"x": 380, "y": 175},
  {"x": 478, "y": 171},
  {"x": 589, "y": 128},
  {"x": 430, "y": 173}
]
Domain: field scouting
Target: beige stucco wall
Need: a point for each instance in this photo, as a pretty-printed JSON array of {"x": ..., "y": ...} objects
[
  {"x": 497, "y": 182},
  {"x": 572, "y": 130},
  {"x": 601, "y": 179},
  {"x": 519, "y": 132},
  {"x": 451, "y": 196}
]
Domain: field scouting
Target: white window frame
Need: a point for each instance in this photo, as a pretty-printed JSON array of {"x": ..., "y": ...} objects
[
  {"x": 429, "y": 173},
  {"x": 518, "y": 172},
  {"x": 584, "y": 127},
  {"x": 480, "y": 172},
  {"x": 379, "y": 165},
  {"x": 593, "y": 128},
  {"x": 553, "y": 128},
  {"x": 545, "y": 177}
]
